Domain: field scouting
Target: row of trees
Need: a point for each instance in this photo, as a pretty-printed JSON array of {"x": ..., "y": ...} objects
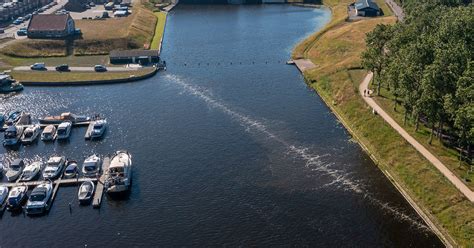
[{"x": 427, "y": 63}]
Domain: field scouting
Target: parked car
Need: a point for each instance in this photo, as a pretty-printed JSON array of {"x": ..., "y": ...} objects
[
  {"x": 21, "y": 32},
  {"x": 105, "y": 14},
  {"x": 38, "y": 66},
  {"x": 2, "y": 30},
  {"x": 63, "y": 67},
  {"x": 77, "y": 31},
  {"x": 18, "y": 21},
  {"x": 100, "y": 68},
  {"x": 27, "y": 17}
]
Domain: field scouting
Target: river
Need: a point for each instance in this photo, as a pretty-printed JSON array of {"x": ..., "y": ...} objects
[{"x": 230, "y": 148}]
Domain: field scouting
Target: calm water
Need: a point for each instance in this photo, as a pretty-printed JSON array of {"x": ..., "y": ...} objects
[{"x": 237, "y": 153}]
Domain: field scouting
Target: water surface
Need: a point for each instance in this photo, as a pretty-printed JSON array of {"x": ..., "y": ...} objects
[{"x": 229, "y": 148}]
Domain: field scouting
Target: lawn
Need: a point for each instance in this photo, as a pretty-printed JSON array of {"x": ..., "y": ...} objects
[
  {"x": 336, "y": 52},
  {"x": 75, "y": 76},
  {"x": 159, "y": 30}
]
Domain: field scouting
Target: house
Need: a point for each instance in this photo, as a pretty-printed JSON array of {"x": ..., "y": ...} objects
[
  {"x": 134, "y": 56},
  {"x": 51, "y": 26},
  {"x": 367, "y": 8}
]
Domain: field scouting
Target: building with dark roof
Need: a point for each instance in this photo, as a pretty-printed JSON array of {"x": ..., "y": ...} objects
[
  {"x": 367, "y": 8},
  {"x": 51, "y": 26},
  {"x": 134, "y": 56}
]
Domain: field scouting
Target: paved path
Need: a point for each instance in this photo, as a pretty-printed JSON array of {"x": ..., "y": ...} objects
[
  {"x": 80, "y": 69},
  {"x": 304, "y": 64},
  {"x": 419, "y": 147},
  {"x": 397, "y": 10}
]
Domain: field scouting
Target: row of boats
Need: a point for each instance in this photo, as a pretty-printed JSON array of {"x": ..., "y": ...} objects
[
  {"x": 20, "y": 133},
  {"x": 117, "y": 180}
]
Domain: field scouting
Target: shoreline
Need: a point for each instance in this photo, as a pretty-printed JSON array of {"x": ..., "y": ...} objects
[{"x": 423, "y": 213}]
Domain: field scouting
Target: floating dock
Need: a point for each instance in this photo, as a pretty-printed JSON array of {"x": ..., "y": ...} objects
[
  {"x": 99, "y": 189},
  {"x": 87, "y": 136}
]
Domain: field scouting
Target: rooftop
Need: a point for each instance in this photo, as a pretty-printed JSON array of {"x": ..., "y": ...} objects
[
  {"x": 134, "y": 53},
  {"x": 49, "y": 22},
  {"x": 361, "y": 4}
]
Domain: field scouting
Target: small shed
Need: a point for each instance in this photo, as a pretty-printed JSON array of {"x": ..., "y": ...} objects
[
  {"x": 367, "y": 8},
  {"x": 134, "y": 56}
]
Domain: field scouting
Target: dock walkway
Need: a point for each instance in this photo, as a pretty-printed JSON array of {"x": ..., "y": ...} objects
[{"x": 99, "y": 191}]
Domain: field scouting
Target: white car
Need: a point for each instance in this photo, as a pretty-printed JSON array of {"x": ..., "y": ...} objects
[
  {"x": 39, "y": 198},
  {"x": 38, "y": 66},
  {"x": 54, "y": 167}
]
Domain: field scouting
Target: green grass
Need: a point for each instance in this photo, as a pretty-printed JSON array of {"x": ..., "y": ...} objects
[
  {"x": 74, "y": 76},
  {"x": 449, "y": 156},
  {"x": 159, "y": 30},
  {"x": 336, "y": 50}
]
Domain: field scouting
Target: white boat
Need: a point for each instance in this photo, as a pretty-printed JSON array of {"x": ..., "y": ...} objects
[
  {"x": 31, "y": 171},
  {"x": 3, "y": 194},
  {"x": 16, "y": 197},
  {"x": 86, "y": 191},
  {"x": 72, "y": 170},
  {"x": 119, "y": 174},
  {"x": 64, "y": 130},
  {"x": 1, "y": 166},
  {"x": 12, "y": 135},
  {"x": 98, "y": 129},
  {"x": 54, "y": 167},
  {"x": 30, "y": 134},
  {"x": 39, "y": 197},
  {"x": 91, "y": 166},
  {"x": 49, "y": 133},
  {"x": 15, "y": 169},
  {"x": 73, "y": 118}
]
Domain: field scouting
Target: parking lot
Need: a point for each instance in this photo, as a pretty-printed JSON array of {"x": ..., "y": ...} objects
[{"x": 91, "y": 13}]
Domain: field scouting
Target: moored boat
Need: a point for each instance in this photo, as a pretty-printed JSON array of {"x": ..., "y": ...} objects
[
  {"x": 49, "y": 133},
  {"x": 30, "y": 134},
  {"x": 12, "y": 135},
  {"x": 91, "y": 166},
  {"x": 119, "y": 173},
  {"x": 86, "y": 191},
  {"x": 64, "y": 130},
  {"x": 72, "y": 170},
  {"x": 31, "y": 171},
  {"x": 3, "y": 195},
  {"x": 98, "y": 130},
  {"x": 17, "y": 197},
  {"x": 39, "y": 197},
  {"x": 8, "y": 84},
  {"x": 54, "y": 167},
  {"x": 15, "y": 169},
  {"x": 73, "y": 118}
]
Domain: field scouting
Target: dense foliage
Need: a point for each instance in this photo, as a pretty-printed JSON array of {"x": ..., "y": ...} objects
[{"x": 427, "y": 64}]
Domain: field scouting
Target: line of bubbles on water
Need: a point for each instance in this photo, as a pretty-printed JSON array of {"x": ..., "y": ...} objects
[{"x": 312, "y": 161}]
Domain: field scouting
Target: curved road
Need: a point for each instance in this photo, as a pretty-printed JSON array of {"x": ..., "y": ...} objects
[{"x": 419, "y": 147}]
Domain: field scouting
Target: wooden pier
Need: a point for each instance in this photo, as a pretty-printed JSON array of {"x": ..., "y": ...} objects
[
  {"x": 87, "y": 136},
  {"x": 99, "y": 191}
]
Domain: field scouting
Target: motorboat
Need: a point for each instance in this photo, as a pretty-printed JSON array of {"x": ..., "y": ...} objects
[
  {"x": 30, "y": 134},
  {"x": 73, "y": 118},
  {"x": 12, "y": 136},
  {"x": 98, "y": 129},
  {"x": 1, "y": 165},
  {"x": 91, "y": 166},
  {"x": 3, "y": 194},
  {"x": 49, "y": 133},
  {"x": 31, "y": 171},
  {"x": 2, "y": 119},
  {"x": 12, "y": 117},
  {"x": 8, "y": 84},
  {"x": 15, "y": 169},
  {"x": 39, "y": 197},
  {"x": 54, "y": 167},
  {"x": 24, "y": 120},
  {"x": 86, "y": 191},
  {"x": 64, "y": 130},
  {"x": 17, "y": 197},
  {"x": 72, "y": 170},
  {"x": 119, "y": 173}
]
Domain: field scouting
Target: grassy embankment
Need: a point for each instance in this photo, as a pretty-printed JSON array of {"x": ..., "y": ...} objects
[
  {"x": 159, "y": 30},
  {"x": 98, "y": 39},
  {"x": 75, "y": 76},
  {"x": 336, "y": 53}
]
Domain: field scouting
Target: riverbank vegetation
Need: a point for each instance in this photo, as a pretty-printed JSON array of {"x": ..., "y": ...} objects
[
  {"x": 159, "y": 30},
  {"x": 425, "y": 66},
  {"x": 336, "y": 52}
]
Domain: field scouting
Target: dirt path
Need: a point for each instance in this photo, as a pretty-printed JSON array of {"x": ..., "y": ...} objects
[{"x": 419, "y": 147}]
